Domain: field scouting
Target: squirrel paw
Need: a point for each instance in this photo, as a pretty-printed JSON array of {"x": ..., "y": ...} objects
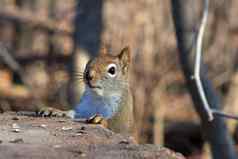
[
  {"x": 44, "y": 112},
  {"x": 97, "y": 119},
  {"x": 51, "y": 112}
]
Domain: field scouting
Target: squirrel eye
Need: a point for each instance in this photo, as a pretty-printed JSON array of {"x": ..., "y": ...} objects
[{"x": 111, "y": 70}]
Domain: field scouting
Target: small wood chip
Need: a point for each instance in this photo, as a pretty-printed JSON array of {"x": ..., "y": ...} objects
[
  {"x": 43, "y": 126},
  {"x": 83, "y": 155},
  {"x": 17, "y": 141},
  {"x": 57, "y": 146},
  {"x": 15, "y": 118},
  {"x": 124, "y": 142},
  {"x": 66, "y": 128},
  {"x": 15, "y": 126},
  {"x": 16, "y": 130}
]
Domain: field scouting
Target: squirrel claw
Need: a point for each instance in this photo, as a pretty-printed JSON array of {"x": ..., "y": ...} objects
[
  {"x": 50, "y": 112},
  {"x": 97, "y": 119},
  {"x": 46, "y": 112}
]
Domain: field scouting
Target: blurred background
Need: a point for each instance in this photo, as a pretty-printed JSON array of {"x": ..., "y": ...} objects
[{"x": 44, "y": 42}]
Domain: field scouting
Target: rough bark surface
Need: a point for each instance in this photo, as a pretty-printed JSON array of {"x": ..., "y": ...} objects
[{"x": 30, "y": 137}]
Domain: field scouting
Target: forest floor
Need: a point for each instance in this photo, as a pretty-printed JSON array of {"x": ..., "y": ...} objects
[{"x": 23, "y": 137}]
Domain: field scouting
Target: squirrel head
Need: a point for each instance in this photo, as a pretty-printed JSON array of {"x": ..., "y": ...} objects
[{"x": 107, "y": 74}]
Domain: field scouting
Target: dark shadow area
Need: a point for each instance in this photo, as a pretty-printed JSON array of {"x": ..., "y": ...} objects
[{"x": 184, "y": 137}]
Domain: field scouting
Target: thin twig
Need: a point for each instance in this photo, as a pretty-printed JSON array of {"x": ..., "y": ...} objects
[
  {"x": 222, "y": 114},
  {"x": 197, "y": 67}
]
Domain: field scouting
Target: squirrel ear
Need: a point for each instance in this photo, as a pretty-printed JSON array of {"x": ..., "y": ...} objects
[{"x": 125, "y": 57}]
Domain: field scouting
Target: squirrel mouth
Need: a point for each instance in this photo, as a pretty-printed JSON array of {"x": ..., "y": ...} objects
[{"x": 93, "y": 86}]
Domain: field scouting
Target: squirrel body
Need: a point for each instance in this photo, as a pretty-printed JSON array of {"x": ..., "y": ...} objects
[{"x": 107, "y": 92}]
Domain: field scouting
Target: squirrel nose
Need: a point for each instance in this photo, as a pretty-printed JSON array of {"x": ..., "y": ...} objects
[{"x": 89, "y": 75}]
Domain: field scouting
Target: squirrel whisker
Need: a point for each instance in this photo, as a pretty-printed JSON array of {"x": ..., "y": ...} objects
[{"x": 78, "y": 73}]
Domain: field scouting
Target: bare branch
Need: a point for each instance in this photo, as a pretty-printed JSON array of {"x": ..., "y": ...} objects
[
  {"x": 198, "y": 59},
  {"x": 222, "y": 114}
]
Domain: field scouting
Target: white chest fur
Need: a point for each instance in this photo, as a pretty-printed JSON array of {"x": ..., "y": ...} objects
[{"x": 92, "y": 104}]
